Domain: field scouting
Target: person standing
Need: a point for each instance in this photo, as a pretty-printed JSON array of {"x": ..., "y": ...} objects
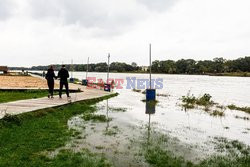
[
  {"x": 63, "y": 74},
  {"x": 50, "y": 75}
]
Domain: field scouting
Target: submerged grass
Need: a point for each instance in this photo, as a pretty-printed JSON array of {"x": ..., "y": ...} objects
[
  {"x": 136, "y": 90},
  {"x": 117, "y": 109},
  {"x": 156, "y": 152},
  {"x": 80, "y": 159},
  {"x": 234, "y": 107},
  {"x": 24, "y": 138},
  {"x": 111, "y": 131},
  {"x": 95, "y": 118},
  {"x": 244, "y": 118},
  {"x": 190, "y": 101},
  {"x": 217, "y": 113}
]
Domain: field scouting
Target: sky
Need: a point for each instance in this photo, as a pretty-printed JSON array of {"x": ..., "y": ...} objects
[{"x": 43, "y": 32}]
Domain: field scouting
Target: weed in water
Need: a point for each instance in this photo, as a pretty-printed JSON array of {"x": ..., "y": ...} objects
[
  {"x": 150, "y": 102},
  {"x": 136, "y": 90},
  {"x": 111, "y": 131},
  {"x": 188, "y": 101},
  {"x": 113, "y": 109},
  {"x": 205, "y": 100},
  {"x": 95, "y": 118},
  {"x": 234, "y": 107},
  {"x": 217, "y": 113},
  {"x": 99, "y": 147},
  {"x": 162, "y": 95},
  {"x": 244, "y": 118}
]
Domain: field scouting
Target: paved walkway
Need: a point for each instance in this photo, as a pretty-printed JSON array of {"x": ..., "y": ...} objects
[{"x": 29, "y": 105}]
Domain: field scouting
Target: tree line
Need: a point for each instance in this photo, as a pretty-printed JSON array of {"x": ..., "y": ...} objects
[
  {"x": 190, "y": 66},
  {"x": 98, "y": 67},
  {"x": 183, "y": 66}
]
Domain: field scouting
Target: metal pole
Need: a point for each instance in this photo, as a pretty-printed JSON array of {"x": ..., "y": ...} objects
[
  {"x": 107, "y": 115},
  {"x": 87, "y": 68},
  {"x": 108, "y": 68},
  {"x": 71, "y": 68},
  {"x": 150, "y": 65}
]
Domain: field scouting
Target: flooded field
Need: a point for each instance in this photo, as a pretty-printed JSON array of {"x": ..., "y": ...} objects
[{"x": 194, "y": 134}]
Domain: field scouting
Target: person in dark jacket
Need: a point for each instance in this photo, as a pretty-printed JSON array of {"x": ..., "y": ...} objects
[
  {"x": 63, "y": 74},
  {"x": 50, "y": 75}
]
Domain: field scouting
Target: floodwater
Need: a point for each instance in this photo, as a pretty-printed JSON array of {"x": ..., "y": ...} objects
[{"x": 193, "y": 127}]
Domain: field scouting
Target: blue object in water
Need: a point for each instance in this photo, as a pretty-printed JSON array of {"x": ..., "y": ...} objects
[
  {"x": 85, "y": 82},
  {"x": 107, "y": 87},
  {"x": 150, "y": 94},
  {"x": 71, "y": 80}
]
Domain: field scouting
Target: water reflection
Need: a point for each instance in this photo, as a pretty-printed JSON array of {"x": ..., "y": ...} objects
[
  {"x": 150, "y": 110},
  {"x": 107, "y": 115}
]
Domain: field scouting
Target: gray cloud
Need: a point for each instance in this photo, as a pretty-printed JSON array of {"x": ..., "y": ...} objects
[
  {"x": 87, "y": 13},
  {"x": 110, "y": 17},
  {"x": 6, "y": 9},
  {"x": 158, "y": 5},
  {"x": 107, "y": 18}
]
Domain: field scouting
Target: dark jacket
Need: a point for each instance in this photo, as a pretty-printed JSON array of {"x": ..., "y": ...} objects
[
  {"x": 63, "y": 74},
  {"x": 50, "y": 75}
]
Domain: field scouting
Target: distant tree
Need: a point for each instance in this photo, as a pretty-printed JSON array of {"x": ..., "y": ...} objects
[{"x": 133, "y": 64}]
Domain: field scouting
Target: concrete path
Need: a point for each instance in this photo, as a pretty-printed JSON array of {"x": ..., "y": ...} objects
[{"x": 29, "y": 105}]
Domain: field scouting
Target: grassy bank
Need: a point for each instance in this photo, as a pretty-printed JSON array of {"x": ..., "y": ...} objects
[
  {"x": 8, "y": 96},
  {"x": 233, "y": 74},
  {"x": 25, "y": 138}
]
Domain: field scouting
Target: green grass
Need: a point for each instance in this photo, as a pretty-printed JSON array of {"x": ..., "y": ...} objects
[
  {"x": 8, "y": 96},
  {"x": 25, "y": 138}
]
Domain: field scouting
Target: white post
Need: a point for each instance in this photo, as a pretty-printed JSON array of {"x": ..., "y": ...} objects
[
  {"x": 71, "y": 68},
  {"x": 87, "y": 69},
  {"x": 108, "y": 68},
  {"x": 150, "y": 65}
]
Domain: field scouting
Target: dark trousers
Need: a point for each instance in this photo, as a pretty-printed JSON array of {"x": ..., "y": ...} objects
[
  {"x": 64, "y": 83},
  {"x": 51, "y": 86}
]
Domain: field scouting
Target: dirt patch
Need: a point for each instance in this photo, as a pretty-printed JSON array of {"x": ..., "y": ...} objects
[{"x": 23, "y": 82}]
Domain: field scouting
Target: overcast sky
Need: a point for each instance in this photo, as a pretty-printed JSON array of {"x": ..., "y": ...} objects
[{"x": 41, "y": 32}]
